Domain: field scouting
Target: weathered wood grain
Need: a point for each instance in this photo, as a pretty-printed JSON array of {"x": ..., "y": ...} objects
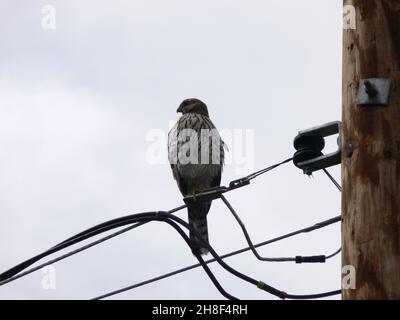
[{"x": 371, "y": 153}]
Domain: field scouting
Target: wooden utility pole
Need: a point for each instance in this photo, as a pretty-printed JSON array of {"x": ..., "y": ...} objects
[{"x": 371, "y": 152}]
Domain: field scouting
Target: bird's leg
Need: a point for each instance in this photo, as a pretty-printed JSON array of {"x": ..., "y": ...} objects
[{"x": 194, "y": 190}]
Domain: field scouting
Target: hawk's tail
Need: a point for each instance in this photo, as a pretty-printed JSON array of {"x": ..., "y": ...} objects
[{"x": 200, "y": 225}]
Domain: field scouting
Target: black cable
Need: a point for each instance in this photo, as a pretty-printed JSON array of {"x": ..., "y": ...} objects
[
  {"x": 334, "y": 254},
  {"x": 248, "y": 239},
  {"x": 313, "y": 296},
  {"x": 297, "y": 259},
  {"x": 103, "y": 227},
  {"x": 227, "y": 255},
  {"x": 200, "y": 259},
  {"x": 164, "y": 276},
  {"x": 260, "y": 172},
  {"x": 18, "y": 268},
  {"x": 231, "y": 254},
  {"x": 111, "y": 224},
  {"x": 215, "y": 192},
  {"x": 141, "y": 219},
  {"x": 261, "y": 285},
  {"x": 212, "y": 277},
  {"x": 166, "y": 217},
  {"x": 337, "y": 185},
  {"x": 304, "y": 230},
  {"x": 71, "y": 253}
]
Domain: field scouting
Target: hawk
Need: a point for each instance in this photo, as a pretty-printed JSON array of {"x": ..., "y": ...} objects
[{"x": 196, "y": 155}]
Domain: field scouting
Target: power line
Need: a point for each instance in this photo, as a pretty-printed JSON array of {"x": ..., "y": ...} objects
[
  {"x": 314, "y": 296},
  {"x": 71, "y": 253},
  {"x": 212, "y": 193},
  {"x": 140, "y": 219},
  {"x": 259, "y": 284},
  {"x": 167, "y": 217},
  {"x": 297, "y": 259},
  {"x": 172, "y": 220},
  {"x": 262, "y": 171},
  {"x": 231, "y": 254},
  {"x": 214, "y": 280},
  {"x": 13, "y": 273},
  {"x": 334, "y": 254},
  {"x": 337, "y": 185},
  {"x": 216, "y": 192}
]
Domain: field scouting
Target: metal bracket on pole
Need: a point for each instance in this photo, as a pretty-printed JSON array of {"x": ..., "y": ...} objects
[
  {"x": 374, "y": 91},
  {"x": 309, "y": 145}
]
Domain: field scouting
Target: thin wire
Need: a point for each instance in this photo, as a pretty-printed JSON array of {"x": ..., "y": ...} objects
[
  {"x": 227, "y": 255},
  {"x": 164, "y": 276},
  {"x": 198, "y": 256},
  {"x": 106, "y": 226},
  {"x": 314, "y": 296},
  {"x": 120, "y": 222},
  {"x": 248, "y": 239},
  {"x": 260, "y": 284},
  {"x": 71, "y": 253},
  {"x": 165, "y": 217},
  {"x": 297, "y": 259},
  {"x": 334, "y": 254},
  {"x": 260, "y": 172},
  {"x": 215, "y": 192},
  {"x": 13, "y": 273},
  {"x": 337, "y": 185}
]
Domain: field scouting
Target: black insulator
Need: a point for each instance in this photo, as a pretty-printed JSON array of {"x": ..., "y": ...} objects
[{"x": 308, "y": 147}]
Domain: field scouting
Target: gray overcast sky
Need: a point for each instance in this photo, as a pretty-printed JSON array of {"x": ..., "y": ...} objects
[{"x": 77, "y": 102}]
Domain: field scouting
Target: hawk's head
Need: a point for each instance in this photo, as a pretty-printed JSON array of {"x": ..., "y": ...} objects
[{"x": 193, "y": 106}]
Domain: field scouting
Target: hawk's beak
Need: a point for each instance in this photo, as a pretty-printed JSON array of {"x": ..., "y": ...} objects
[{"x": 180, "y": 109}]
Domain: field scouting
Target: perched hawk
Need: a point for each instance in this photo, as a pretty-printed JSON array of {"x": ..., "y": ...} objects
[{"x": 196, "y": 155}]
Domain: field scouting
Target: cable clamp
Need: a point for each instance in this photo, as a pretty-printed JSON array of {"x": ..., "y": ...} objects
[{"x": 159, "y": 214}]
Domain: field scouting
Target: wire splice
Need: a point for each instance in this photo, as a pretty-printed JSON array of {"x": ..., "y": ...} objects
[{"x": 310, "y": 259}]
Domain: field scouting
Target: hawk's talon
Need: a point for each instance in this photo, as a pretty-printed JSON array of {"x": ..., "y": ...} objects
[{"x": 194, "y": 194}]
